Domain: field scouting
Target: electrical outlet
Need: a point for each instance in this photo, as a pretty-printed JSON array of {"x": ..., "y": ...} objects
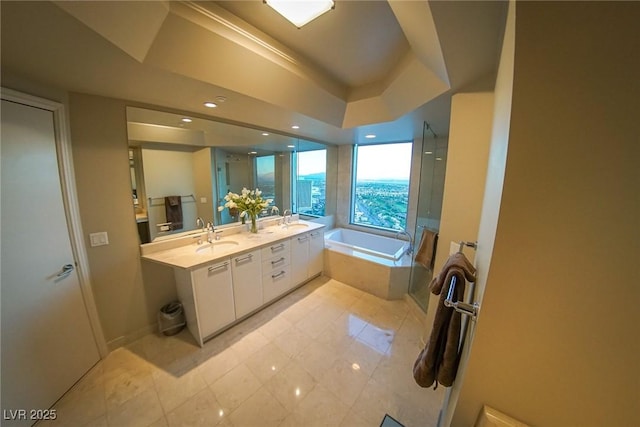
[{"x": 99, "y": 239}]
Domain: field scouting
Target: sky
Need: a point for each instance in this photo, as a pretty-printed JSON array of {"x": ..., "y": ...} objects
[{"x": 383, "y": 161}]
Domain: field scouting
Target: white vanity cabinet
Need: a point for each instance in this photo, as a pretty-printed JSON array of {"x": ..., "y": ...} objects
[
  {"x": 276, "y": 270},
  {"x": 246, "y": 270},
  {"x": 316, "y": 252},
  {"x": 306, "y": 255},
  {"x": 299, "y": 258},
  {"x": 207, "y": 297},
  {"x": 222, "y": 283}
]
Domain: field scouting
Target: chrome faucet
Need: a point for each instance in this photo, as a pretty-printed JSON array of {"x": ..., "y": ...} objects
[
  {"x": 210, "y": 231},
  {"x": 405, "y": 232},
  {"x": 200, "y": 223},
  {"x": 284, "y": 216}
]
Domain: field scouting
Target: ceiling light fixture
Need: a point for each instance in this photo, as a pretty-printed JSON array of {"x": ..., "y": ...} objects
[
  {"x": 295, "y": 127},
  {"x": 370, "y": 136},
  {"x": 210, "y": 104},
  {"x": 186, "y": 120},
  {"x": 265, "y": 134},
  {"x": 291, "y": 146},
  {"x": 300, "y": 12}
]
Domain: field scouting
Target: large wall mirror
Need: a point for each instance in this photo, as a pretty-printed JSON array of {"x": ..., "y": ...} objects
[{"x": 182, "y": 167}]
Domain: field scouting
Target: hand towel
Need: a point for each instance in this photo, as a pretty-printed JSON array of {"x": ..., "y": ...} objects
[
  {"x": 426, "y": 253},
  {"x": 439, "y": 359},
  {"x": 173, "y": 210}
]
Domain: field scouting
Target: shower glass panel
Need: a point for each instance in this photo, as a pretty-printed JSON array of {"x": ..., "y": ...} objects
[{"x": 432, "y": 171}]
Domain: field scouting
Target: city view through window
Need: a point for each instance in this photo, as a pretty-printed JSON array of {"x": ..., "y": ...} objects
[
  {"x": 311, "y": 182},
  {"x": 381, "y": 196}
]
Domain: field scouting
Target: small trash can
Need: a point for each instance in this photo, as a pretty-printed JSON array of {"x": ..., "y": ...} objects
[{"x": 171, "y": 318}]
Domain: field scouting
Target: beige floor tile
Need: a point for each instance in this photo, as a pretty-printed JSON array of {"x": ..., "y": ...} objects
[
  {"x": 319, "y": 408},
  {"x": 126, "y": 386},
  {"x": 261, "y": 409},
  {"x": 218, "y": 365},
  {"x": 202, "y": 409},
  {"x": 374, "y": 402},
  {"x": 275, "y": 327},
  {"x": 345, "y": 380},
  {"x": 141, "y": 410},
  {"x": 235, "y": 387},
  {"x": 326, "y": 354},
  {"x": 173, "y": 391},
  {"x": 376, "y": 338},
  {"x": 293, "y": 341},
  {"x": 316, "y": 359},
  {"x": 160, "y": 422},
  {"x": 80, "y": 407},
  {"x": 249, "y": 344},
  {"x": 354, "y": 420},
  {"x": 267, "y": 362},
  {"x": 363, "y": 356},
  {"x": 291, "y": 385}
]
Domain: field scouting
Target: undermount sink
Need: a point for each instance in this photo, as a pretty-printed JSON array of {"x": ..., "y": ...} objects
[
  {"x": 222, "y": 244},
  {"x": 295, "y": 225}
]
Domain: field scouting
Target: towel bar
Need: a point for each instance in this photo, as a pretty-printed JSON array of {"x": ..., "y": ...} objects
[{"x": 460, "y": 306}]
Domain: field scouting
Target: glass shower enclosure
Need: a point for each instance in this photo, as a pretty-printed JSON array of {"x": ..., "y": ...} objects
[{"x": 432, "y": 173}]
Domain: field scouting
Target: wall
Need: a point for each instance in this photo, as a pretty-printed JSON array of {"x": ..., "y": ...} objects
[
  {"x": 126, "y": 304},
  {"x": 555, "y": 343},
  {"x": 203, "y": 182},
  {"x": 169, "y": 173}
]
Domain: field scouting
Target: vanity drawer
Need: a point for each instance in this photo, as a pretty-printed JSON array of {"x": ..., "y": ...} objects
[
  {"x": 276, "y": 283},
  {"x": 276, "y": 263},
  {"x": 276, "y": 249}
]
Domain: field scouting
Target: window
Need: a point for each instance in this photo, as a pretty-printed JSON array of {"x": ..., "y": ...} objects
[
  {"x": 265, "y": 176},
  {"x": 311, "y": 182},
  {"x": 381, "y": 185}
]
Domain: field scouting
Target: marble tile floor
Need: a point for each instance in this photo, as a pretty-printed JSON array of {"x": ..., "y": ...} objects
[{"x": 325, "y": 355}]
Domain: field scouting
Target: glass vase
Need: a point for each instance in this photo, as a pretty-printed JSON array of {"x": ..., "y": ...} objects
[{"x": 254, "y": 226}]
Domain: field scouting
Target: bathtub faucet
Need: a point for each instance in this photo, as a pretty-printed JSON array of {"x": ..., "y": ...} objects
[{"x": 410, "y": 249}]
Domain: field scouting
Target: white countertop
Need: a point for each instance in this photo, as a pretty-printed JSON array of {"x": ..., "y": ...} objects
[{"x": 191, "y": 255}]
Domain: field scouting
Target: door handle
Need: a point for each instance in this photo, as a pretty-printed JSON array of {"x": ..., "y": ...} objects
[{"x": 66, "y": 269}]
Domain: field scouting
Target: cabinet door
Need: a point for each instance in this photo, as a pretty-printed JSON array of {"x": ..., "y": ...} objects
[
  {"x": 316, "y": 252},
  {"x": 213, "y": 294},
  {"x": 299, "y": 258},
  {"x": 247, "y": 282}
]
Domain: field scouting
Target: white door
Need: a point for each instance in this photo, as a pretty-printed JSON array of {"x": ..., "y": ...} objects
[{"x": 47, "y": 340}]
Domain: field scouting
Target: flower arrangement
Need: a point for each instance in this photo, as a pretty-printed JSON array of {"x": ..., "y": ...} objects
[{"x": 249, "y": 202}]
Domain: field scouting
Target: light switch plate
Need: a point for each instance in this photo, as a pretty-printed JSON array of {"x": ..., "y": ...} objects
[{"x": 99, "y": 239}]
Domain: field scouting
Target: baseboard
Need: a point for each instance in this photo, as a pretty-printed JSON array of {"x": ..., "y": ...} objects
[{"x": 129, "y": 338}]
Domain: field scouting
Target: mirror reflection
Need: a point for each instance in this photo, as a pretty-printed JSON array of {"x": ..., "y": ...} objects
[{"x": 182, "y": 167}]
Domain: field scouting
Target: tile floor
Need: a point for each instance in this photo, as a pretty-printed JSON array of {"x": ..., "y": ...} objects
[{"x": 325, "y": 355}]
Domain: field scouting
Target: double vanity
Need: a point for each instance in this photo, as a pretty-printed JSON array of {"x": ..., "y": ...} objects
[{"x": 237, "y": 273}]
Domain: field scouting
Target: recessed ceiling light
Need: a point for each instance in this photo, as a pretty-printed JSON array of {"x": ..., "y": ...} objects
[
  {"x": 300, "y": 13},
  {"x": 428, "y": 152},
  {"x": 370, "y": 136},
  {"x": 291, "y": 146},
  {"x": 438, "y": 158},
  {"x": 210, "y": 104},
  {"x": 186, "y": 120},
  {"x": 220, "y": 99},
  {"x": 265, "y": 134},
  {"x": 252, "y": 152},
  {"x": 295, "y": 127}
]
